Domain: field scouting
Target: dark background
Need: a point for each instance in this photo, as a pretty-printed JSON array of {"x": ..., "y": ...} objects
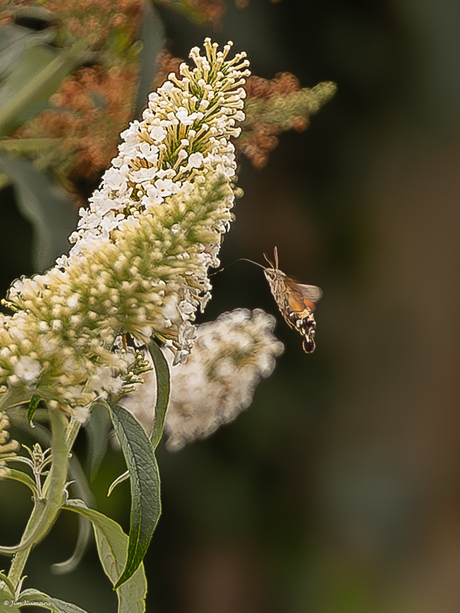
[{"x": 338, "y": 491}]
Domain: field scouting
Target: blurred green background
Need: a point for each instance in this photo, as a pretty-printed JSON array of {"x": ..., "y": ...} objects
[{"x": 338, "y": 491}]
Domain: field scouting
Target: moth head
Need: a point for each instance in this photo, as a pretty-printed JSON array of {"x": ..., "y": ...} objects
[{"x": 272, "y": 273}]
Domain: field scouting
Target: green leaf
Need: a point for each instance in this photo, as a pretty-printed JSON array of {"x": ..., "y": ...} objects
[
  {"x": 161, "y": 405},
  {"x": 28, "y": 146},
  {"x": 97, "y": 430},
  {"x": 39, "y": 599},
  {"x": 14, "y": 395},
  {"x": 84, "y": 532},
  {"x": 153, "y": 40},
  {"x": 6, "y": 603},
  {"x": 15, "y": 39},
  {"x": 112, "y": 545},
  {"x": 163, "y": 391},
  {"x": 36, "y": 75},
  {"x": 22, "y": 477},
  {"x": 81, "y": 487},
  {"x": 46, "y": 205},
  {"x": 145, "y": 486},
  {"x": 33, "y": 406},
  {"x": 29, "y": 63},
  {"x": 117, "y": 481},
  {"x": 80, "y": 483},
  {"x": 7, "y": 583}
]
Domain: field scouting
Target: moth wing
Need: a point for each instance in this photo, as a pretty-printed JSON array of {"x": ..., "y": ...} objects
[
  {"x": 302, "y": 296},
  {"x": 310, "y": 292}
]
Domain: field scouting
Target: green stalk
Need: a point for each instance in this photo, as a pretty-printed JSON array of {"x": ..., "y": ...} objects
[{"x": 46, "y": 510}]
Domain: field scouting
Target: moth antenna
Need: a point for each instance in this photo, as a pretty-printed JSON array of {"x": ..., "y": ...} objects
[
  {"x": 265, "y": 256},
  {"x": 275, "y": 252}
]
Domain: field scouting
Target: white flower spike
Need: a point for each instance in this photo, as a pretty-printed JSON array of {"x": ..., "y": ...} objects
[{"x": 141, "y": 253}]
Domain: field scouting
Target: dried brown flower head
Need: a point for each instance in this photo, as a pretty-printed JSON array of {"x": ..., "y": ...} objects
[{"x": 274, "y": 106}]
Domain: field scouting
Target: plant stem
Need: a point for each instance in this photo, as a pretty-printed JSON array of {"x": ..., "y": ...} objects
[
  {"x": 46, "y": 510},
  {"x": 71, "y": 434}
]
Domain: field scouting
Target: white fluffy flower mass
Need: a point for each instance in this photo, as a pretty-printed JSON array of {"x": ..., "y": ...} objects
[
  {"x": 141, "y": 253},
  {"x": 218, "y": 380}
]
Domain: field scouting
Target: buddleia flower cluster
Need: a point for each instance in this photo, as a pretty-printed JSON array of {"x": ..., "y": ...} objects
[
  {"x": 8, "y": 448},
  {"x": 229, "y": 358},
  {"x": 141, "y": 252}
]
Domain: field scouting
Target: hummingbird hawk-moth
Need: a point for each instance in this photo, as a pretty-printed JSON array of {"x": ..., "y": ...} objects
[{"x": 295, "y": 301}]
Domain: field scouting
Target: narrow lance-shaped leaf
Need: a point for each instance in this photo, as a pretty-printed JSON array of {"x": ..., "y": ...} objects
[
  {"x": 7, "y": 584},
  {"x": 117, "y": 481},
  {"x": 33, "y": 406},
  {"x": 162, "y": 400},
  {"x": 84, "y": 533},
  {"x": 112, "y": 546},
  {"x": 80, "y": 488},
  {"x": 42, "y": 600},
  {"x": 36, "y": 77},
  {"x": 145, "y": 486},
  {"x": 152, "y": 36},
  {"x": 22, "y": 477},
  {"x": 7, "y": 603},
  {"x": 97, "y": 430},
  {"x": 163, "y": 391},
  {"x": 15, "y": 39}
]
